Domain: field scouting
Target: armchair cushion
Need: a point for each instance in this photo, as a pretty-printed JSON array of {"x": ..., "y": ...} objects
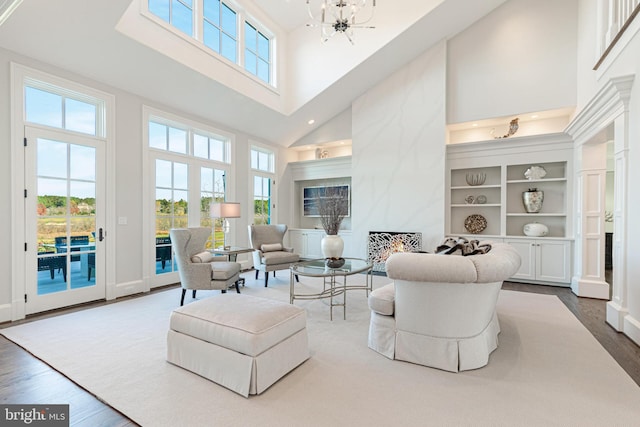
[
  {"x": 271, "y": 247},
  {"x": 279, "y": 257},
  {"x": 202, "y": 257},
  {"x": 382, "y": 300}
]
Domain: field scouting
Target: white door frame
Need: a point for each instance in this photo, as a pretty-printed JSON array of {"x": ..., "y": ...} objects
[{"x": 19, "y": 74}]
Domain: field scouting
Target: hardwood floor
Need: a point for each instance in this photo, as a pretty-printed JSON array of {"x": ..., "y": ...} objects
[{"x": 25, "y": 379}]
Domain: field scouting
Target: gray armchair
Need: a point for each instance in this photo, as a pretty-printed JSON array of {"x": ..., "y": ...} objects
[
  {"x": 198, "y": 268},
  {"x": 269, "y": 252}
]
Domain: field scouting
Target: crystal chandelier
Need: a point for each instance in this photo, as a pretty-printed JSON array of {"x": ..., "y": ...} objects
[{"x": 339, "y": 16}]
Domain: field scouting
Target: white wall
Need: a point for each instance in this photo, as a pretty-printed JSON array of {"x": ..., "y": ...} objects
[
  {"x": 5, "y": 183},
  {"x": 399, "y": 153},
  {"x": 338, "y": 128},
  {"x": 520, "y": 58}
]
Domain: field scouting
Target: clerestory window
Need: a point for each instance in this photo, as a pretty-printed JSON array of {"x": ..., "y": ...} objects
[{"x": 215, "y": 24}]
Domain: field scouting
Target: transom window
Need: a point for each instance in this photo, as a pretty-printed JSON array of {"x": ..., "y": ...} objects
[
  {"x": 184, "y": 140},
  {"x": 57, "y": 108},
  {"x": 262, "y": 160},
  {"x": 215, "y": 24}
]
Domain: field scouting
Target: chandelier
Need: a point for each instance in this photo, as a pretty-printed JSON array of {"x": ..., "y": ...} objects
[{"x": 339, "y": 16}]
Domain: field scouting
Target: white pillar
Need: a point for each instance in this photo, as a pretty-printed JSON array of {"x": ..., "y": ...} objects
[
  {"x": 591, "y": 174},
  {"x": 618, "y": 308}
]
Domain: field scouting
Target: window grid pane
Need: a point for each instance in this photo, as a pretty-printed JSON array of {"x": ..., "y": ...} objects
[
  {"x": 261, "y": 200},
  {"x": 228, "y": 48},
  {"x": 212, "y": 11},
  {"x": 211, "y": 37},
  {"x": 177, "y": 140},
  {"x": 182, "y": 16},
  {"x": 229, "y": 23},
  {"x": 160, "y": 8},
  {"x": 80, "y": 116}
]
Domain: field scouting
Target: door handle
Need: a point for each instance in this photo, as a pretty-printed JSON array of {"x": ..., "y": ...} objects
[{"x": 100, "y": 235}]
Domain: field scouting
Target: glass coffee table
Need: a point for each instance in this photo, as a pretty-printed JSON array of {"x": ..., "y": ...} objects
[{"x": 334, "y": 280}]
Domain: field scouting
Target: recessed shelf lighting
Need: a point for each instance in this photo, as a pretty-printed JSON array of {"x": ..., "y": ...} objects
[
  {"x": 311, "y": 121},
  {"x": 474, "y": 125},
  {"x": 535, "y": 116}
]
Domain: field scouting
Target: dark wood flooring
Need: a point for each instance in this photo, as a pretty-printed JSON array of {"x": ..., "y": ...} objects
[{"x": 25, "y": 379}]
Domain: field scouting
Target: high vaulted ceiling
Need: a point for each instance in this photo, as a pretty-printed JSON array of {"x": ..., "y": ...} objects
[{"x": 81, "y": 36}]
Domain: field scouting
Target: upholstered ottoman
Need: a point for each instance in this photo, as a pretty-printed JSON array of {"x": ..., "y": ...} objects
[{"x": 241, "y": 342}]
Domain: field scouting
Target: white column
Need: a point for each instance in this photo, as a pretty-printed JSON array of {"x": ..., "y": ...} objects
[
  {"x": 591, "y": 175},
  {"x": 618, "y": 308}
]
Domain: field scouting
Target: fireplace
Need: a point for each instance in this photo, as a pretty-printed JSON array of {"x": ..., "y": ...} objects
[{"x": 384, "y": 243}]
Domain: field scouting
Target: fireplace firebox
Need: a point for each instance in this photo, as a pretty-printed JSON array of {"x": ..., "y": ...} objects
[{"x": 384, "y": 243}]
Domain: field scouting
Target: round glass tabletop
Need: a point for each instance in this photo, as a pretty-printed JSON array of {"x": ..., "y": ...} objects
[{"x": 322, "y": 267}]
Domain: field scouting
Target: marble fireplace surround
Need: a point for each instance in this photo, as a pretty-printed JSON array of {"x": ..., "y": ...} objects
[{"x": 381, "y": 244}]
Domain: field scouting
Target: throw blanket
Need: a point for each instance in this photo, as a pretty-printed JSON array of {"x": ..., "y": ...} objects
[{"x": 462, "y": 246}]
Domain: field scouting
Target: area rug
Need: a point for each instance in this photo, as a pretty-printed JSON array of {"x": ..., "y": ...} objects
[{"x": 547, "y": 371}]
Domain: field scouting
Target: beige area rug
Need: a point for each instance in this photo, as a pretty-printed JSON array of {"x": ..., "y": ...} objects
[{"x": 547, "y": 371}]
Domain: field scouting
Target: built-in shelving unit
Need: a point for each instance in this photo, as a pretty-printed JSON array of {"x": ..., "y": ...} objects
[
  {"x": 305, "y": 233},
  {"x": 499, "y": 201}
]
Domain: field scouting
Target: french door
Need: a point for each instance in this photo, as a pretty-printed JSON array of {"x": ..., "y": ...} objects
[{"x": 65, "y": 217}]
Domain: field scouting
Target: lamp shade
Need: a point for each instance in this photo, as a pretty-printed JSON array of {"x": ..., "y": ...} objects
[{"x": 225, "y": 210}]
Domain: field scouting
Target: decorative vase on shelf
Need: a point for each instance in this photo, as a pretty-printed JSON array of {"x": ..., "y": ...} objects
[
  {"x": 332, "y": 246},
  {"x": 532, "y": 200}
]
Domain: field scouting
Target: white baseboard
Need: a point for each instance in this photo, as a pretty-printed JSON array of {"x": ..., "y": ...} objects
[
  {"x": 5, "y": 313},
  {"x": 590, "y": 288},
  {"x": 616, "y": 315},
  {"x": 129, "y": 288},
  {"x": 632, "y": 328}
]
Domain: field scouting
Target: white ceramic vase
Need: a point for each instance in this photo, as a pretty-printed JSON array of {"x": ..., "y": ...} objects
[{"x": 332, "y": 246}]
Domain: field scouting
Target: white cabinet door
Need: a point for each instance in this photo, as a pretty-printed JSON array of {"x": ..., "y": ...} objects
[
  {"x": 553, "y": 261},
  {"x": 297, "y": 241},
  {"x": 527, "y": 252},
  {"x": 313, "y": 243},
  {"x": 543, "y": 260},
  {"x": 306, "y": 243}
]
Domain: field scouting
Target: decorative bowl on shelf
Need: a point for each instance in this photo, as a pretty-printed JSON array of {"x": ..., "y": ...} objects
[
  {"x": 535, "y": 229},
  {"x": 475, "y": 223},
  {"x": 481, "y": 199},
  {"x": 476, "y": 178}
]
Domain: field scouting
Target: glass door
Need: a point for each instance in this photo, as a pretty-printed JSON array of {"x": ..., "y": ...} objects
[{"x": 64, "y": 219}]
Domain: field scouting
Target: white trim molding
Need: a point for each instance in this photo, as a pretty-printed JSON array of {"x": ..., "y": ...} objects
[{"x": 604, "y": 119}]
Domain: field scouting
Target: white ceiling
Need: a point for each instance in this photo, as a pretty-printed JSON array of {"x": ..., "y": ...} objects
[{"x": 80, "y": 36}]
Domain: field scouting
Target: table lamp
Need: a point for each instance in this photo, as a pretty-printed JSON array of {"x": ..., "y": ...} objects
[{"x": 225, "y": 210}]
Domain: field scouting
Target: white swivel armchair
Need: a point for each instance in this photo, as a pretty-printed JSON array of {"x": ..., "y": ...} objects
[
  {"x": 269, "y": 252},
  {"x": 441, "y": 309},
  {"x": 198, "y": 268}
]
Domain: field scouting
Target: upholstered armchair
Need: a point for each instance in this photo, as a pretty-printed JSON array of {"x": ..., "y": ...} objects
[
  {"x": 440, "y": 311},
  {"x": 198, "y": 268},
  {"x": 269, "y": 252}
]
